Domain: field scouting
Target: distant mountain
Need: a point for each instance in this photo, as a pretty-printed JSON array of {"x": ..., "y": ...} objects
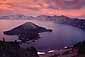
[
  {"x": 76, "y": 22},
  {"x": 80, "y": 23},
  {"x": 15, "y": 16}
]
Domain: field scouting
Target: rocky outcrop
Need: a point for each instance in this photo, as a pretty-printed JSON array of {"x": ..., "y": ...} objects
[{"x": 13, "y": 49}]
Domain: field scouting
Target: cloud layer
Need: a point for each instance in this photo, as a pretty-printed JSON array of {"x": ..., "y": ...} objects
[{"x": 44, "y": 7}]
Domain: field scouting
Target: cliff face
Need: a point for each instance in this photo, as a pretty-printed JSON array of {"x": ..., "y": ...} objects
[
  {"x": 75, "y": 22},
  {"x": 12, "y": 49},
  {"x": 79, "y": 23}
]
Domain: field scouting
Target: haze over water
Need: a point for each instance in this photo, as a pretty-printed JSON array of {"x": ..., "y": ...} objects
[{"x": 62, "y": 35}]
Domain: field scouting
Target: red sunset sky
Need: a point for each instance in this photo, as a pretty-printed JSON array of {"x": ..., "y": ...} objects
[{"x": 43, "y": 7}]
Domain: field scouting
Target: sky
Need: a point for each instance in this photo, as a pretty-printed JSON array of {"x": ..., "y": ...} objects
[{"x": 43, "y": 7}]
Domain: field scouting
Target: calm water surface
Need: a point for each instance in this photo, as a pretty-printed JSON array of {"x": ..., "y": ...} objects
[{"x": 62, "y": 35}]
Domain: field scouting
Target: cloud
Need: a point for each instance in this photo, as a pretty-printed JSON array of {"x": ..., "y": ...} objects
[{"x": 45, "y": 7}]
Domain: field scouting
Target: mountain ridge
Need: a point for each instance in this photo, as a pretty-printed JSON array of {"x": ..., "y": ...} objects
[{"x": 75, "y": 22}]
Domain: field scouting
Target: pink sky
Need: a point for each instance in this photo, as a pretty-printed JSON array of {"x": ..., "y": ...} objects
[{"x": 43, "y": 7}]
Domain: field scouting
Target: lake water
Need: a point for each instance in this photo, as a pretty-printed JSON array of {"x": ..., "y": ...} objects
[{"x": 62, "y": 35}]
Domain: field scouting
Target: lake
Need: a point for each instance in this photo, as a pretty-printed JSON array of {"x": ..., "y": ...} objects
[{"x": 62, "y": 35}]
